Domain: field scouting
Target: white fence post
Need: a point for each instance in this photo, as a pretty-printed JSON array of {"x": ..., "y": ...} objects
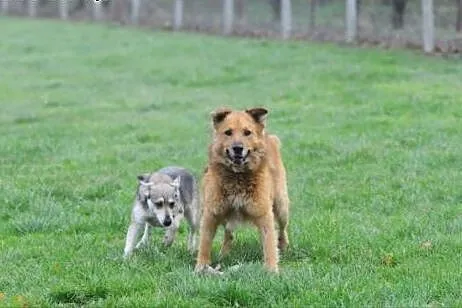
[
  {"x": 33, "y": 8},
  {"x": 178, "y": 15},
  {"x": 135, "y": 13},
  {"x": 313, "y": 7},
  {"x": 4, "y": 7},
  {"x": 286, "y": 19},
  {"x": 228, "y": 16},
  {"x": 63, "y": 9},
  {"x": 428, "y": 26},
  {"x": 98, "y": 9},
  {"x": 459, "y": 16},
  {"x": 351, "y": 21}
]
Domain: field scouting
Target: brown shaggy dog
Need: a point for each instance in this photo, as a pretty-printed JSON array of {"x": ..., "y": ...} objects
[{"x": 245, "y": 181}]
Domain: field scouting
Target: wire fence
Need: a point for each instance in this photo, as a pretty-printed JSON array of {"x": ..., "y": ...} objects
[{"x": 427, "y": 24}]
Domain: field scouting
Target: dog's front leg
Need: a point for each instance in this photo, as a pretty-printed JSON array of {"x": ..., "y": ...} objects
[
  {"x": 208, "y": 229},
  {"x": 170, "y": 235},
  {"x": 265, "y": 225},
  {"x": 193, "y": 221},
  {"x": 131, "y": 238},
  {"x": 145, "y": 239},
  {"x": 192, "y": 239}
]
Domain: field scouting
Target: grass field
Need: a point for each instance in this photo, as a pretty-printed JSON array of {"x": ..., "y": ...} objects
[{"x": 372, "y": 142}]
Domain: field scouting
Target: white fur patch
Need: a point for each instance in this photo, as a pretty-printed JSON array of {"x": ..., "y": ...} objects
[
  {"x": 237, "y": 201},
  {"x": 150, "y": 205}
]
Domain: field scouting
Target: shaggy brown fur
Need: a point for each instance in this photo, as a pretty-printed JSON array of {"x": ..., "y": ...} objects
[{"x": 245, "y": 181}]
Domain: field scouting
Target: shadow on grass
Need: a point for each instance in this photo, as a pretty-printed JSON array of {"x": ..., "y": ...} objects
[
  {"x": 78, "y": 296},
  {"x": 251, "y": 251},
  {"x": 27, "y": 119}
]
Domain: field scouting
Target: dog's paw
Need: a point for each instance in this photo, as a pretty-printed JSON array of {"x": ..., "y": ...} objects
[
  {"x": 141, "y": 244},
  {"x": 168, "y": 242},
  {"x": 207, "y": 269},
  {"x": 235, "y": 268},
  {"x": 192, "y": 249}
]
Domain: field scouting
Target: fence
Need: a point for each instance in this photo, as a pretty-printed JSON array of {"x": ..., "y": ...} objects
[{"x": 427, "y": 24}]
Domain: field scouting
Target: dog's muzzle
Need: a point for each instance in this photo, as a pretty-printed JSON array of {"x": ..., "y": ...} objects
[{"x": 237, "y": 154}]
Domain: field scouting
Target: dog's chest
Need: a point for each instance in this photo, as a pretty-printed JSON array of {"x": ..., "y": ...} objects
[
  {"x": 237, "y": 201},
  {"x": 237, "y": 197},
  {"x": 237, "y": 193}
]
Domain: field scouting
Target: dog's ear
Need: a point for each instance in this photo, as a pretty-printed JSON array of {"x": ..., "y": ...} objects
[
  {"x": 258, "y": 114},
  {"x": 143, "y": 178},
  {"x": 219, "y": 115},
  {"x": 176, "y": 182}
]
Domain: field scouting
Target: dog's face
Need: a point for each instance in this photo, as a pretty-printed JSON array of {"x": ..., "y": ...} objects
[
  {"x": 161, "y": 200},
  {"x": 239, "y": 138}
]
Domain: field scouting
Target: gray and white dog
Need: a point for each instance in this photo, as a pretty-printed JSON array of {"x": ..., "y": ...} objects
[{"x": 163, "y": 198}]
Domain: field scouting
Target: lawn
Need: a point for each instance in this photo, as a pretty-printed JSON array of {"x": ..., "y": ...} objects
[{"x": 372, "y": 142}]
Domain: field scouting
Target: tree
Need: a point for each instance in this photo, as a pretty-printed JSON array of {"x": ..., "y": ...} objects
[{"x": 397, "y": 16}]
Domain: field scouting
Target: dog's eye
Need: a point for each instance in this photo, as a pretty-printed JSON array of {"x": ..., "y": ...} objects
[
  {"x": 228, "y": 132},
  {"x": 247, "y": 132},
  {"x": 171, "y": 204},
  {"x": 158, "y": 204}
]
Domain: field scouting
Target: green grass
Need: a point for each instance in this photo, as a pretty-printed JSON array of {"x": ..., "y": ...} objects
[{"x": 372, "y": 142}]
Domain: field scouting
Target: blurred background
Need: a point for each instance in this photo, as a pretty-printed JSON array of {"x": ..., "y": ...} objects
[{"x": 391, "y": 23}]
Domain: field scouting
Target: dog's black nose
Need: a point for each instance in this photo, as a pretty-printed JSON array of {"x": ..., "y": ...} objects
[
  {"x": 238, "y": 149},
  {"x": 167, "y": 221}
]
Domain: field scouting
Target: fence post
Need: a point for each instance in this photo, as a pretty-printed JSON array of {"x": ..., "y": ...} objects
[
  {"x": 4, "y": 7},
  {"x": 178, "y": 15},
  {"x": 228, "y": 16},
  {"x": 239, "y": 9},
  {"x": 313, "y": 6},
  {"x": 351, "y": 21},
  {"x": 63, "y": 9},
  {"x": 428, "y": 26},
  {"x": 98, "y": 9},
  {"x": 33, "y": 8},
  {"x": 135, "y": 13},
  {"x": 459, "y": 16},
  {"x": 286, "y": 19}
]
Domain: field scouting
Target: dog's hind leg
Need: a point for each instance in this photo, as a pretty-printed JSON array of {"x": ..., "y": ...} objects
[
  {"x": 192, "y": 215},
  {"x": 192, "y": 239},
  {"x": 228, "y": 238},
  {"x": 146, "y": 235},
  {"x": 227, "y": 242},
  {"x": 281, "y": 211},
  {"x": 131, "y": 238}
]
